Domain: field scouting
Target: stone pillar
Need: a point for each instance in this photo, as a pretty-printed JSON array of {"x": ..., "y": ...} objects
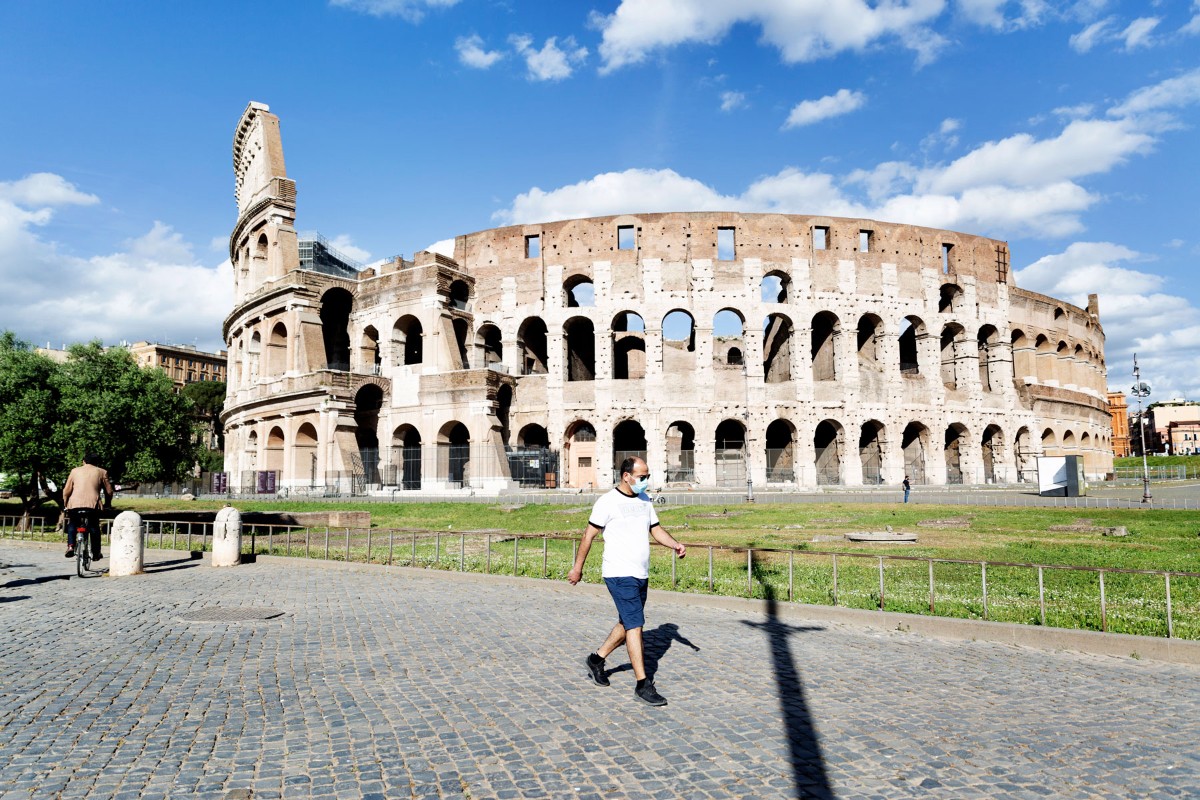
[
  {"x": 227, "y": 538},
  {"x": 126, "y": 548}
]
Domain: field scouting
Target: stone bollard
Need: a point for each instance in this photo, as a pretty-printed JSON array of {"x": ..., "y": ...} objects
[
  {"x": 227, "y": 538},
  {"x": 125, "y": 547}
]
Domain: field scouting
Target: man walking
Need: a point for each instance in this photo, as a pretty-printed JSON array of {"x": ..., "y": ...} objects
[
  {"x": 87, "y": 489},
  {"x": 625, "y": 515},
  {"x": 907, "y": 488}
]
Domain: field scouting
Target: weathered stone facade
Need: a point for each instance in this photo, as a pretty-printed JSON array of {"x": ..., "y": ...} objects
[{"x": 807, "y": 350}]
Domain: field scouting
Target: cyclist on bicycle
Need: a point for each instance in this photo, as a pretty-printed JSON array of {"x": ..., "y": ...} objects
[{"x": 87, "y": 490}]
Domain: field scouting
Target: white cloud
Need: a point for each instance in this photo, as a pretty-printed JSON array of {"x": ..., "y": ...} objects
[
  {"x": 1137, "y": 314},
  {"x": 471, "y": 53},
  {"x": 946, "y": 135},
  {"x": 1177, "y": 92},
  {"x": 1193, "y": 26},
  {"x": 1092, "y": 35},
  {"x": 444, "y": 247},
  {"x": 411, "y": 10},
  {"x": 809, "y": 112},
  {"x": 551, "y": 63},
  {"x": 731, "y": 101},
  {"x": 991, "y": 13},
  {"x": 801, "y": 31},
  {"x": 1137, "y": 33},
  {"x": 152, "y": 288},
  {"x": 343, "y": 243}
]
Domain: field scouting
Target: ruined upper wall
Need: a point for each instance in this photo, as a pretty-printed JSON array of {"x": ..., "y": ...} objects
[{"x": 257, "y": 154}]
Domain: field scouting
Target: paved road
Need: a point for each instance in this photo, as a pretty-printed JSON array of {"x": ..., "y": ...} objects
[{"x": 399, "y": 684}]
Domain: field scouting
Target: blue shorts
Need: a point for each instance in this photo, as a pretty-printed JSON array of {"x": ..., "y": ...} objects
[{"x": 629, "y": 594}]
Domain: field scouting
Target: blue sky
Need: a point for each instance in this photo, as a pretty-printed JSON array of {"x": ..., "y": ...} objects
[{"x": 1068, "y": 129}]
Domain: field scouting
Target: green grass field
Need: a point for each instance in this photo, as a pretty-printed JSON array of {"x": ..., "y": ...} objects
[{"x": 789, "y": 551}]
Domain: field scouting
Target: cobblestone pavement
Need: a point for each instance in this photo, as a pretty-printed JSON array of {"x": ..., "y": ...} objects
[{"x": 381, "y": 683}]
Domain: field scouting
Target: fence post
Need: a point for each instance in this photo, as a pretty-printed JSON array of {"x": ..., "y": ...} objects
[
  {"x": 881, "y": 583},
  {"x": 326, "y": 542},
  {"x": 546, "y": 557},
  {"x": 437, "y": 549},
  {"x": 489, "y": 554},
  {"x": 710, "y": 571},
  {"x": 674, "y": 558},
  {"x": 287, "y": 542},
  {"x": 368, "y": 545},
  {"x": 462, "y": 551},
  {"x": 1103, "y": 609},
  {"x": 413, "y": 562},
  {"x": 270, "y": 540},
  {"x": 227, "y": 538},
  {"x": 1170, "y": 629},
  {"x": 347, "y": 545},
  {"x": 835, "y": 591},
  {"x": 516, "y": 555},
  {"x": 791, "y": 575},
  {"x": 391, "y": 541},
  {"x": 931, "y": 604},
  {"x": 749, "y": 573},
  {"x": 307, "y": 542},
  {"x": 983, "y": 573},
  {"x": 1041, "y": 594}
]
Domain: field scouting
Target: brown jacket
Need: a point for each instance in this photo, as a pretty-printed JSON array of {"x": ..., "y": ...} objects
[{"x": 84, "y": 485}]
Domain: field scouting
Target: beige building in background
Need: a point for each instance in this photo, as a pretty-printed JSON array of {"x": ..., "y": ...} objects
[
  {"x": 183, "y": 363},
  {"x": 1119, "y": 410},
  {"x": 796, "y": 351}
]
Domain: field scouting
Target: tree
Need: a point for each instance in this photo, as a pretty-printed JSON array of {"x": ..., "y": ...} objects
[
  {"x": 208, "y": 401},
  {"x": 99, "y": 401}
]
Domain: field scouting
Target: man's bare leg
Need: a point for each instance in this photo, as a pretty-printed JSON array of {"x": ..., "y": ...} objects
[
  {"x": 615, "y": 638},
  {"x": 633, "y": 646}
]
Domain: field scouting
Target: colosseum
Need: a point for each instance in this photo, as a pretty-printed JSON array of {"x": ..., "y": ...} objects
[{"x": 784, "y": 351}]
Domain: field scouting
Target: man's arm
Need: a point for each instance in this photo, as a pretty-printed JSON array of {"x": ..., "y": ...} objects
[
  {"x": 108, "y": 497},
  {"x": 576, "y": 573},
  {"x": 69, "y": 488},
  {"x": 666, "y": 540}
]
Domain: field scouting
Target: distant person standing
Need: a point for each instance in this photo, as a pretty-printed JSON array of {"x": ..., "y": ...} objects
[
  {"x": 87, "y": 490},
  {"x": 907, "y": 488},
  {"x": 627, "y": 519}
]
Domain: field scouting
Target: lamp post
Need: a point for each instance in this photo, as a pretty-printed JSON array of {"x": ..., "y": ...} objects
[
  {"x": 1139, "y": 391},
  {"x": 746, "y": 417}
]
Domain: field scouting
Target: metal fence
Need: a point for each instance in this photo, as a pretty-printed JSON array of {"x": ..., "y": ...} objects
[{"x": 1090, "y": 598}]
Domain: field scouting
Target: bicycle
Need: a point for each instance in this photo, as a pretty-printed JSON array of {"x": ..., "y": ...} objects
[{"x": 79, "y": 520}]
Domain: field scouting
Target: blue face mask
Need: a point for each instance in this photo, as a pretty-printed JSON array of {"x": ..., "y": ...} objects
[{"x": 641, "y": 485}]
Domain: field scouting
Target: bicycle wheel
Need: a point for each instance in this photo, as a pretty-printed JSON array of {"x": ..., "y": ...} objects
[{"x": 83, "y": 553}]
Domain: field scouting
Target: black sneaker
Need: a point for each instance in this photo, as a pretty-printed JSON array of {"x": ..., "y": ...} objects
[
  {"x": 69, "y": 554},
  {"x": 97, "y": 556},
  {"x": 648, "y": 694},
  {"x": 595, "y": 665}
]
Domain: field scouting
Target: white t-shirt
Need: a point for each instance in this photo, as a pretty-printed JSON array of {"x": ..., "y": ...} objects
[{"x": 626, "y": 522}]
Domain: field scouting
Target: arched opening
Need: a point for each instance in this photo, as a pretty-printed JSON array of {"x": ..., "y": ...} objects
[
  {"x": 1044, "y": 359},
  {"x": 251, "y": 456},
  {"x": 274, "y": 453},
  {"x": 1024, "y": 456},
  {"x": 532, "y": 340},
  {"x": 580, "y": 449},
  {"x": 628, "y": 346},
  {"x": 951, "y": 335},
  {"x": 870, "y": 452},
  {"x": 1049, "y": 443},
  {"x": 949, "y": 298},
  {"x": 825, "y": 328},
  {"x": 681, "y": 453},
  {"x": 277, "y": 350},
  {"x": 460, "y": 295},
  {"x": 408, "y": 340},
  {"x": 489, "y": 347},
  {"x": 336, "y": 305},
  {"x": 992, "y": 446},
  {"x": 777, "y": 349},
  {"x": 579, "y": 292},
  {"x": 454, "y": 453},
  {"x": 254, "y": 356},
  {"x": 1068, "y": 443},
  {"x": 629, "y": 441},
  {"x": 367, "y": 402},
  {"x": 781, "y": 452},
  {"x": 504, "y": 398},
  {"x": 1085, "y": 450},
  {"x": 729, "y": 329},
  {"x": 679, "y": 342},
  {"x": 533, "y": 435},
  {"x": 1022, "y": 353},
  {"x": 406, "y": 453},
  {"x": 955, "y": 435},
  {"x": 828, "y": 443},
  {"x": 987, "y": 340},
  {"x": 914, "y": 444},
  {"x": 870, "y": 331},
  {"x": 774, "y": 287},
  {"x": 461, "y": 331},
  {"x": 1079, "y": 368},
  {"x": 730, "y": 453},
  {"x": 368, "y": 351},
  {"x": 911, "y": 332},
  {"x": 579, "y": 340},
  {"x": 305, "y": 454}
]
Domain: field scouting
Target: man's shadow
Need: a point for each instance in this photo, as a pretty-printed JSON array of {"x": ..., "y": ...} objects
[
  {"x": 655, "y": 644},
  {"x": 804, "y": 747}
]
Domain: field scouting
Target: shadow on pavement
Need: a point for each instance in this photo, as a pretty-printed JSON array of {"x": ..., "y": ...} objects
[
  {"x": 14, "y": 598},
  {"x": 655, "y": 644},
  {"x": 173, "y": 564},
  {"x": 34, "y": 581},
  {"x": 808, "y": 764}
]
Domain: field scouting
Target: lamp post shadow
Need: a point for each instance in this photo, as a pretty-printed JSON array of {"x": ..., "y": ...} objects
[
  {"x": 804, "y": 748},
  {"x": 655, "y": 644}
]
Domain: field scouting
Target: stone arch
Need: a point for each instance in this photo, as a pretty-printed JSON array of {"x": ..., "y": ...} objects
[
  {"x": 871, "y": 446},
  {"x": 277, "y": 350},
  {"x": 533, "y": 342},
  {"x": 406, "y": 454},
  {"x": 870, "y": 334},
  {"x": 579, "y": 344},
  {"x": 275, "y": 450},
  {"x": 911, "y": 333},
  {"x": 408, "y": 340},
  {"x": 986, "y": 341},
  {"x": 304, "y": 454},
  {"x": 729, "y": 453},
  {"x": 914, "y": 445},
  {"x": 1079, "y": 367},
  {"x": 1044, "y": 359},
  {"x": 504, "y": 399},
  {"x": 1068, "y": 442},
  {"x": 956, "y": 434},
  {"x": 533, "y": 435},
  {"x": 1023, "y": 455},
  {"x": 629, "y": 440},
  {"x": 461, "y": 331},
  {"x": 994, "y": 458},
  {"x": 579, "y": 449},
  {"x": 825, "y": 329},
  {"x": 774, "y": 286},
  {"x": 729, "y": 344},
  {"x": 628, "y": 346},
  {"x": 950, "y": 298},
  {"x": 1085, "y": 450},
  {"x": 952, "y": 334},
  {"x": 579, "y": 292},
  {"x": 368, "y": 401},
  {"x": 369, "y": 356},
  {"x": 1023, "y": 356},
  {"x": 829, "y": 443},
  {"x": 1049, "y": 443},
  {"x": 679, "y": 341},
  {"x": 251, "y": 452},
  {"x": 454, "y": 453},
  {"x": 254, "y": 354},
  {"x": 781, "y": 451},
  {"x": 489, "y": 346},
  {"x": 681, "y": 452},
  {"x": 460, "y": 295},
  {"x": 336, "y": 305},
  {"x": 777, "y": 348}
]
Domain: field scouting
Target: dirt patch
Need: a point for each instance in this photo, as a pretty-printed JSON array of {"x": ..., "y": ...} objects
[
  {"x": 948, "y": 522},
  {"x": 720, "y": 515},
  {"x": 831, "y": 520},
  {"x": 1078, "y": 526},
  {"x": 579, "y": 510}
]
